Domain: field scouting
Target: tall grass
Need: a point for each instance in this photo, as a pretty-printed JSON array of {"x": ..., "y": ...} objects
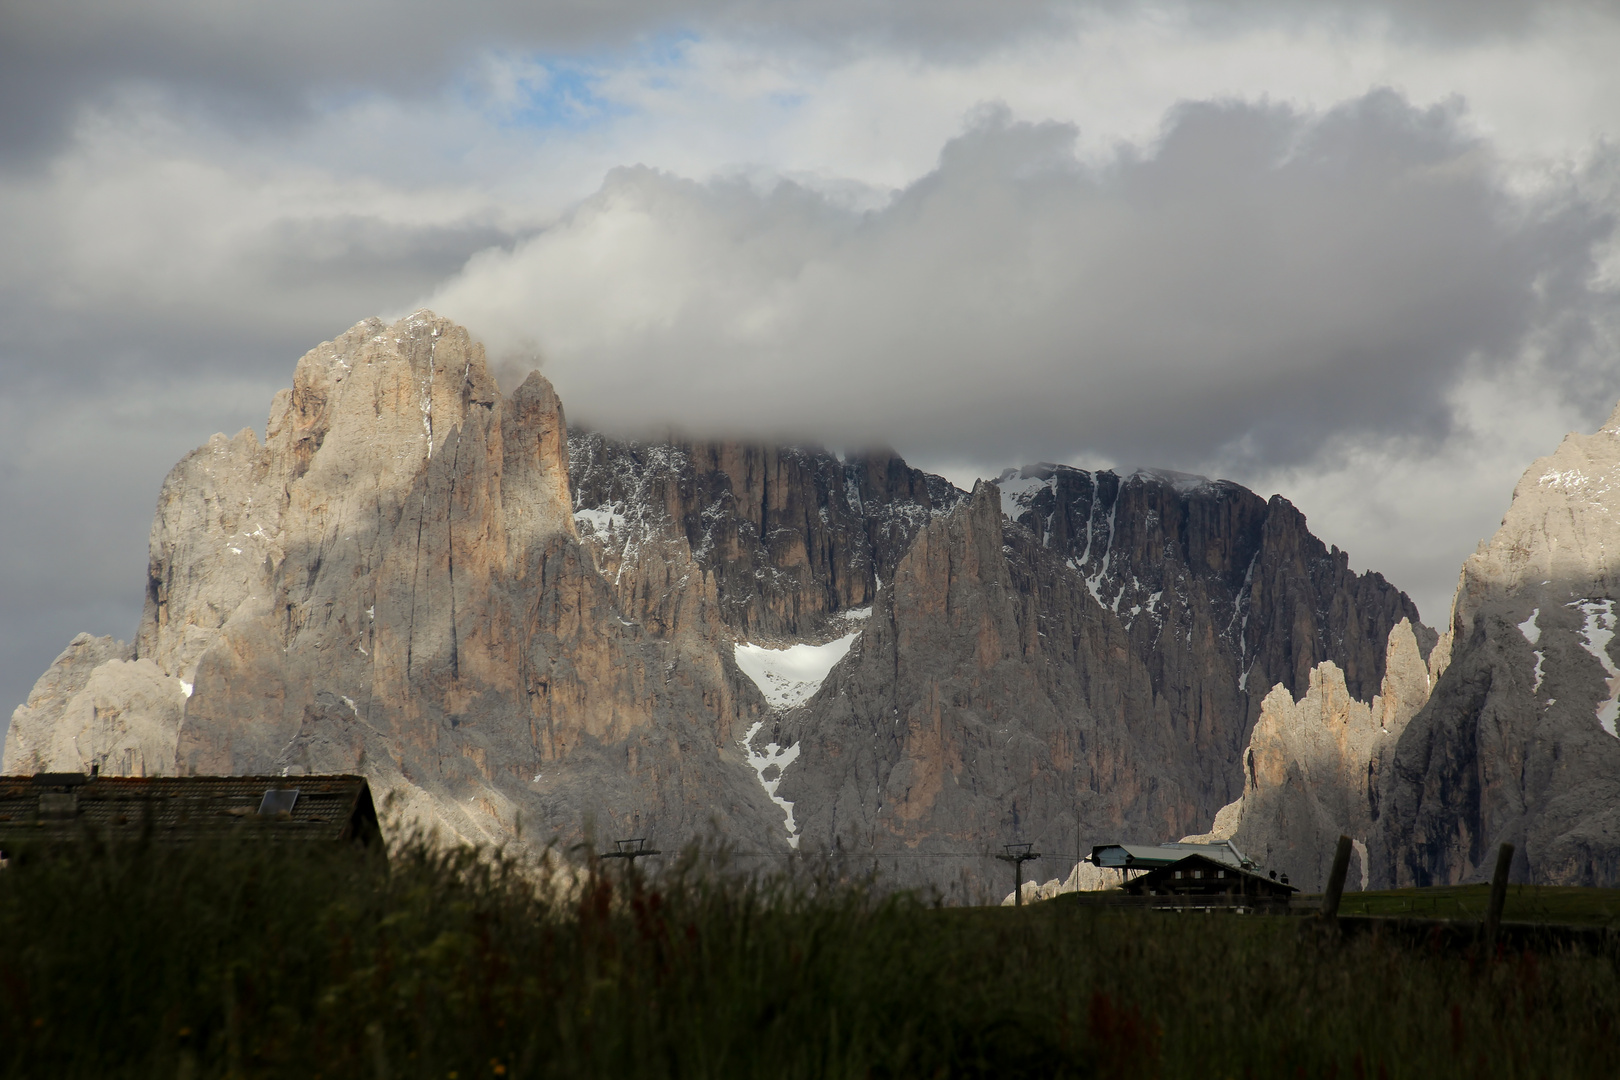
[{"x": 249, "y": 961}]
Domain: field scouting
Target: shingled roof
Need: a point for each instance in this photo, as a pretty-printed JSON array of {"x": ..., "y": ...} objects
[
  {"x": 52, "y": 808},
  {"x": 1153, "y": 856}
]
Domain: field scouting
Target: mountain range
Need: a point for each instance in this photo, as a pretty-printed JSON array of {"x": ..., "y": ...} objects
[{"x": 523, "y": 633}]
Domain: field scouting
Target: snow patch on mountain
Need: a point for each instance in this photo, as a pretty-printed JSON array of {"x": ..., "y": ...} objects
[
  {"x": 1184, "y": 483},
  {"x": 1016, "y": 490},
  {"x": 768, "y": 764},
  {"x": 1532, "y": 633},
  {"x": 1596, "y": 635},
  {"x": 789, "y": 677},
  {"x": 604, "y": 520}
]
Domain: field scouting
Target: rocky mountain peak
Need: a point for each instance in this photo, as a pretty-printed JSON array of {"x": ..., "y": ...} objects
[
  {"x": 392, "y": 583},
  {"x": 1560, "y": 529},
  {"x": 1315, "y": 766},
  {"x": 373, "y": 419}
]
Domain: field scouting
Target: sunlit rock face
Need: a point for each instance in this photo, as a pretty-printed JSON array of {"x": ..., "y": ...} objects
[
  {"x": 1315, "y": 768},
  {"x": 1518, "y": 742},
  {"x": 98, "y": 704},
  {"x": 392, "y": 584}
]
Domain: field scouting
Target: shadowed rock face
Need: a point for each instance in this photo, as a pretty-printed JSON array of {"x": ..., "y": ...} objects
[
  {"x": 1166, "y": 551},
  {"x": 786, "y": 536},
  {"x": 990, "y": 699},
  {"x": 1153, "y": 598},
  {"x": 1518, "y": 742},
  {"x": 997, "y": 696}
]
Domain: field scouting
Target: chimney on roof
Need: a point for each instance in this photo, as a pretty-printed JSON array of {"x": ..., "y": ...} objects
[{"x": 60, "y": 779}]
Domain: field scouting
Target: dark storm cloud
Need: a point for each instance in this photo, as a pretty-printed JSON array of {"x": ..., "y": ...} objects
[
  {"x": 1256, "y": 284},
  {"x": 263, "y": 63},
  {"x": 271, "y": 63},
  {"x": 257, "y": 61}
]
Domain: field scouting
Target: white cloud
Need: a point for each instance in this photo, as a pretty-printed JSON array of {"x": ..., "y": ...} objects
[{"x": 1257, "y": 281}]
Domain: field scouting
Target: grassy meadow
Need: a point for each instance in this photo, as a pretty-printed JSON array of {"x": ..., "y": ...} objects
[
  {"x": 260, "y": 961},
  {"x": 1524, "y": 903}
]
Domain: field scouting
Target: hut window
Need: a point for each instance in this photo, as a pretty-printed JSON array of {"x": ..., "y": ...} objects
[
  {"x": 278, "y": 801},
  {"x": 1178, "y": 873}
]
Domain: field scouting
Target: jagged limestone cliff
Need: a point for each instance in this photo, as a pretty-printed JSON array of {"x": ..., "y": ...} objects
[
  {"x": 98, "y": 704},
  {"x": 1172, "y": 554},
  {"x": 1508, "y": 736},
  {"x": 1314, "y": 768},
  {"x": 392, "y": 583},
  {"x": 989, "y": 699},
  {"x": 788, "y": 537},
  {"x": 995, "y": 696}
]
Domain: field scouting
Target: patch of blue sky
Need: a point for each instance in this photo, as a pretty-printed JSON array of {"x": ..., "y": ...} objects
[
  {"x": 788, "y": 101},
  {"x": 668, "y": 51},
  {"x": 549, "y": 95},
  {"x": 572, "y": 93}
]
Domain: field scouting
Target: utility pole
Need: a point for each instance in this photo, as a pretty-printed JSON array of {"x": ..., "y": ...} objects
[
  {"x": 632, "y": 849},
  {"x": 1018, "y": 855}
]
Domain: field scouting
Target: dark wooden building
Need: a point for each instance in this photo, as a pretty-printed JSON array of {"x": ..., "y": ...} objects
[
  {"x": 62, "y": 808},
  {"x": 1200, "y": 881}
]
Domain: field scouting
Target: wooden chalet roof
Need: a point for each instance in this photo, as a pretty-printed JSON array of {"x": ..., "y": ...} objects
[
  {"x": 1153, "y": 856},
  {"x": 65, "y": 807}
]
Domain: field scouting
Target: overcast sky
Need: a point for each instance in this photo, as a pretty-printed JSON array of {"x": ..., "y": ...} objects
[{"x": 1362, "y": 255}]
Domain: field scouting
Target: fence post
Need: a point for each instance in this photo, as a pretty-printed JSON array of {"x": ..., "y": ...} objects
[
  {"x": 1335, "y": 885},
  {"x": 1499, "y": 884}
]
